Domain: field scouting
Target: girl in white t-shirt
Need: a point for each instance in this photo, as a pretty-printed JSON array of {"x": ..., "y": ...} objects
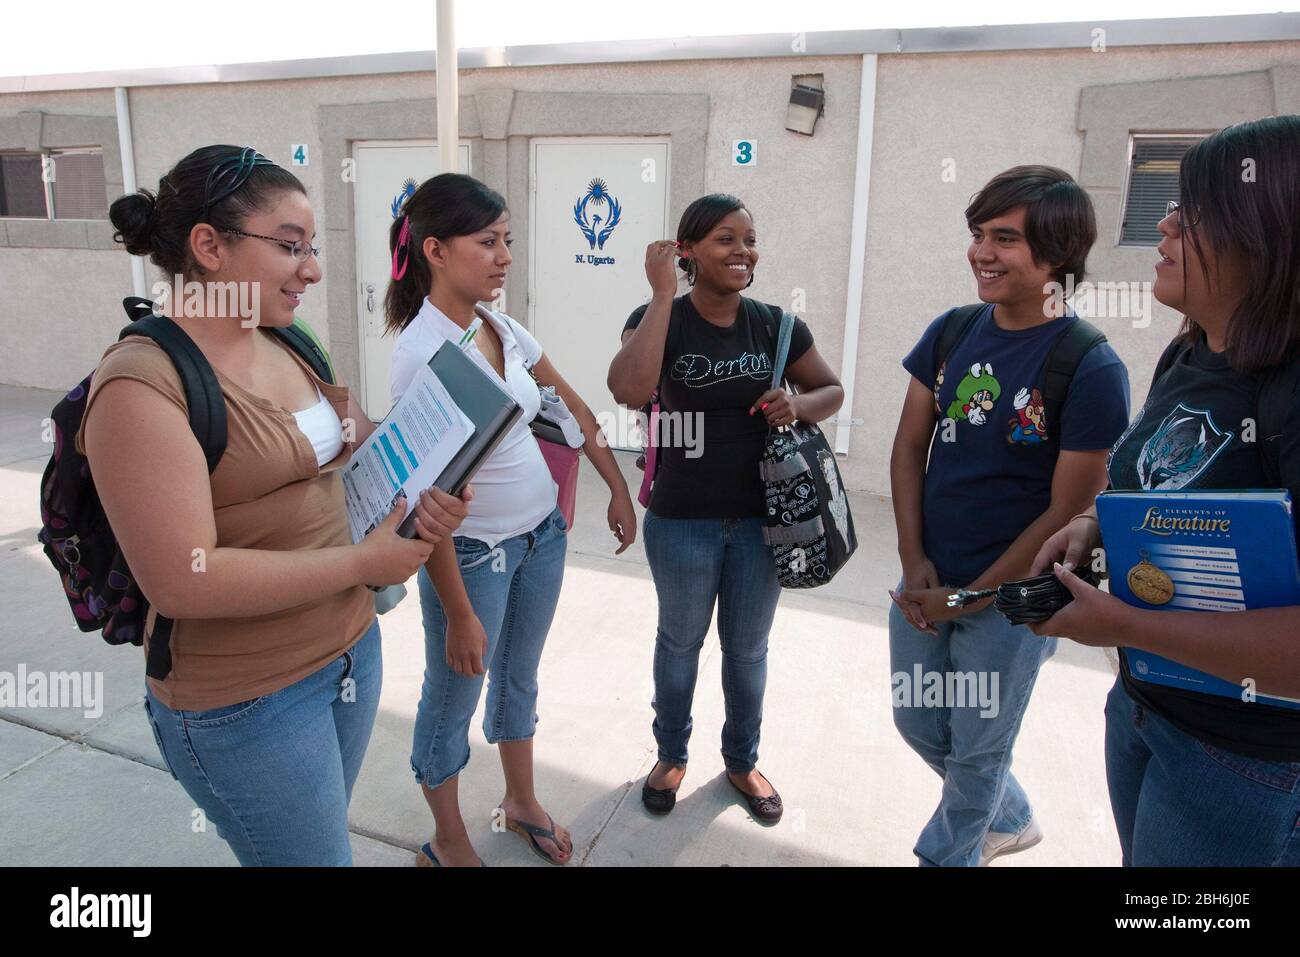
[{"x": 488, "y": 602}]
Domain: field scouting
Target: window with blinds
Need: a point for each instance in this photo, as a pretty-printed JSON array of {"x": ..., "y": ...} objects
[
  {"x": 1152, "y": 183},
  {"x": 78, "y": 187}
]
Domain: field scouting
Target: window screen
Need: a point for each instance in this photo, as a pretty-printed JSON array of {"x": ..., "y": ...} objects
[{"x": 79, "y": 191}]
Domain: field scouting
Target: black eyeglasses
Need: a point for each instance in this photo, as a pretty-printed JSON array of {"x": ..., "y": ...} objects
[
  {"x": 228, "y": 175},
  {"x": 1191, "y": 217},
  {"x": 300, "y": 249}
]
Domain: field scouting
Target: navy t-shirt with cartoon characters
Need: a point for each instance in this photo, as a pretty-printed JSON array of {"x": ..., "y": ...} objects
[{"x": 993, "y": 454}]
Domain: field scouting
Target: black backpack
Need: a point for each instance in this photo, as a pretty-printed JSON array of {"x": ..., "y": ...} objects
[
  {"x": 1062, "y": 359},
  {"x": 1274, "y": 396},
  {"x": 75, "y": 533}
]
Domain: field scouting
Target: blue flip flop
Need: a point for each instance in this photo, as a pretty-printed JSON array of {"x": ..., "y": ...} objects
[
  {"x": 531, "y": 832},
  {"x": 426, "y": 857}
]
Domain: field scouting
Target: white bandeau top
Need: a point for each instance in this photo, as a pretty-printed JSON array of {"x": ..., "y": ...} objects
[{"x": 321, "y": 425}]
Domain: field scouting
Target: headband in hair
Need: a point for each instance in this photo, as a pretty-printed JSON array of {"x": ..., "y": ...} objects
[
  {"x": 402, "y": 250},
  {"x": 229, "y": 175}
]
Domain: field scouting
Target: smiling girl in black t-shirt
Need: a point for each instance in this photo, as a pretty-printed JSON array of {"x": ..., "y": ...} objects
[
  {"x": 1199, "y": 779},
  {"x": 704, "y": 526}
]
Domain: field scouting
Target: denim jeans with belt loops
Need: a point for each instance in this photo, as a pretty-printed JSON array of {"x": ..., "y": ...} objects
[
  {"x": 275, "y": 773},
  {"x": 1179, "y": 801}
]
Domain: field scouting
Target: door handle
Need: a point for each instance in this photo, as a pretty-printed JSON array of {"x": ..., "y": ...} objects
[{"x": 370, "y": 297}]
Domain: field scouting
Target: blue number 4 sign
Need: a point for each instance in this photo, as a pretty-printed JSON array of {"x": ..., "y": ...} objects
[{"x": 300, "y": 154}]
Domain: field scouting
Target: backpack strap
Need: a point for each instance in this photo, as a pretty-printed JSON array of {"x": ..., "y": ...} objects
[
  {"x": 207, "y": 412},
  {"x": 1062, "y": 362},
  {"x": 954, "y": 327},
  {"x": 207, "y": 407},
  {"x": 1274, "y": 399},
  {"x": 300, "y": 338}
]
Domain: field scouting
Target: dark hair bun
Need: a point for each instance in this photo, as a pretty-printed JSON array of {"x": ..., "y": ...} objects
[{"x": 132, "y": 218}]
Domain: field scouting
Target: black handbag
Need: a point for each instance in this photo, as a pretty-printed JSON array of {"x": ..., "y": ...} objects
[{"x": 808, "y": 526}]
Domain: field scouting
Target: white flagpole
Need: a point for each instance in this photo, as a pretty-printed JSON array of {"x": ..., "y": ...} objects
[{"x": 448, "y": 102}]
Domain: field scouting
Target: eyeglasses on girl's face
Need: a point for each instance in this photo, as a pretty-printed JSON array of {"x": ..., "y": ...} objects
[
  {"x": 1190, "y": 217},
  {"x": 300, "y": 249}
]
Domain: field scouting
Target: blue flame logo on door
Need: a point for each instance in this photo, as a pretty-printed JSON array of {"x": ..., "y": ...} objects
[
  {"x": 604, "y": 217},
  {"x": 406, "y": 192}
]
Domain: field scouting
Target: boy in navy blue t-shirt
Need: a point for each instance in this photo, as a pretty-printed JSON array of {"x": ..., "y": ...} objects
[{"x": 1001, "y": 478}]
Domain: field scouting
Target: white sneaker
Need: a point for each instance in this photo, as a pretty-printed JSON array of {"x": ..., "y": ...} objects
[{"x": 997, "y": 843}]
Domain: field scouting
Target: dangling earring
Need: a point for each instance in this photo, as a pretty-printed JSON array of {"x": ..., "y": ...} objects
[
  {"x": 690, "y": 272},
  {"x": 751, "y": 279}
]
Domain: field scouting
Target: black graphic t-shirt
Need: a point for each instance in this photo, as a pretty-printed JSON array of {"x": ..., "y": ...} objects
[
  {"x": 1197, "y": 431},
  {"x": 708, "y": 464}
]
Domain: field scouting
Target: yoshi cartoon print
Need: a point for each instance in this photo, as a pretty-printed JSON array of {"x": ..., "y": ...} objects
[{"x": 977, "y": 393}]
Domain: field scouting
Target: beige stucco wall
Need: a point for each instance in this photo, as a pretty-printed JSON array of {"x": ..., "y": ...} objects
[
  {"x": 984, "y": 112},
  {"x": 987, "y": 112}
]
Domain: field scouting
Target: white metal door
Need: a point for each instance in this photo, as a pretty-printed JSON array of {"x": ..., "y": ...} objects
[
  {"x": 596, "y": 202},
  {"x": 386, "y": 173}
]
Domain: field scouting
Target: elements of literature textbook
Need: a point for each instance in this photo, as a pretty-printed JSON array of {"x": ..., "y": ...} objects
[{"x": 1199, "y": 551}]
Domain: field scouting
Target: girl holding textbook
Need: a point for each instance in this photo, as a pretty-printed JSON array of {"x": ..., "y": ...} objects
[
  {"x": 488, "y": 603},
  {"x": 1195, "y": 778},
  {"x": 265, "y": 712}
]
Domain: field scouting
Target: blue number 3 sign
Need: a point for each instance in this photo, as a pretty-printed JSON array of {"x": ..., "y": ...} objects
[{"x": 744, "y": 153}]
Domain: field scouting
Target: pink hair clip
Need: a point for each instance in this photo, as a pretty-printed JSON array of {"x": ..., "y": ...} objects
[{"x": 403, "y": 242}]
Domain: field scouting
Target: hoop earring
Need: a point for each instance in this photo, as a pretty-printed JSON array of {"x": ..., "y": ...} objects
[
  {"x": 690, "y": 272},
  {"x": 751, "y": 279}
]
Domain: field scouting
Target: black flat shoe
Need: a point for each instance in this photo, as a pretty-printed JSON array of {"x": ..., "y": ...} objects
[
  {"x": 657, "y": 800},
  {"x": 766, "y": 810}
]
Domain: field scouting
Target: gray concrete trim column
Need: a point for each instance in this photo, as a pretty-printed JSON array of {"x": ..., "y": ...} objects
[
  {"x": 340, "y": 126},
  {"x": 499, "y": 123},
  {"x": 33, "y": 131}
]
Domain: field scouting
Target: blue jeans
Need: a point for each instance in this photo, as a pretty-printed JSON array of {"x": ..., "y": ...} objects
[
  {"x": 695, "y": 563},
  {"x": 513, "y": 589},
  {"x": 275, "y": 773},
  {"x": 968, "y": 746},
  {"x": 1181, "y": 802}
]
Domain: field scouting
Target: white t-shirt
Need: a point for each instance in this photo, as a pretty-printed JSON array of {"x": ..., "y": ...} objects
[{"x": 513, "y": 490}]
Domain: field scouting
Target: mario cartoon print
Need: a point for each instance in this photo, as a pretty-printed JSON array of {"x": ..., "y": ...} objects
[
  {"x": 976, "y": 394},
  {"x": 1029, "y": 427}
]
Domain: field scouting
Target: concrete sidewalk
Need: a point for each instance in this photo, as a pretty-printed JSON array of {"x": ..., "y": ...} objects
[{"x": 93, "y": 791}]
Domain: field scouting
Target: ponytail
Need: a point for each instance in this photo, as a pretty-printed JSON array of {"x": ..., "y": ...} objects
[{"x": 445, "y": 206}]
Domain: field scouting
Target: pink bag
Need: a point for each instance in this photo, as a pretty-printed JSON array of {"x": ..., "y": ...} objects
[
  {"x": 563, "y": 463},
  {"x": 651, "y": 455}
]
